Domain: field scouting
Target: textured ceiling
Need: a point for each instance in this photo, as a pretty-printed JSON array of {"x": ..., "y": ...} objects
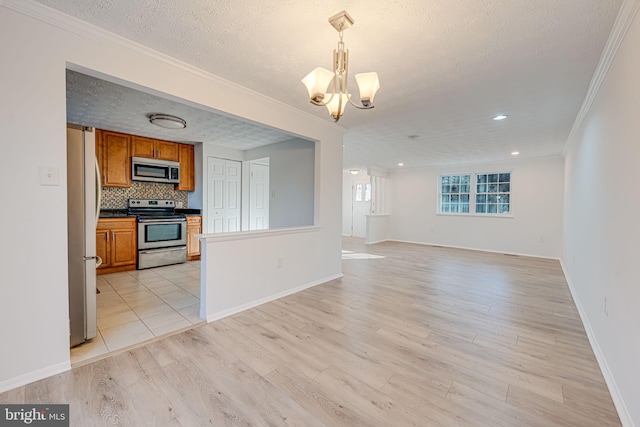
[
  {"x": 446, "y": 67},
  {"x": 105, "y": 105}
]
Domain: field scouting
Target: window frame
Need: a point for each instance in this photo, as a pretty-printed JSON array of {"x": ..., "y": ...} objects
[{"x": 472, "y": 195}]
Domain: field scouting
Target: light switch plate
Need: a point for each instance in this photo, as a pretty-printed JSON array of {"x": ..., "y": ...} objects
[{"x": 49, "y": 175}]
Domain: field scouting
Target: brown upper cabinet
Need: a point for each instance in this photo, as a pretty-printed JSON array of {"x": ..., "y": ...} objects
[
  {"x": 154, "y": 149},
  {"x": 114, "y": 151},
  {"x": 187, "y": 174}
]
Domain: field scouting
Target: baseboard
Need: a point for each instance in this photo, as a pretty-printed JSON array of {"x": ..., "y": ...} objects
[
  {"x": 618, "y": 401},
  {"x": 473, "y": 249},
  {"x": 33, "y": 376},
  {"x": 377, "y": 241},
  {"x": 225, "y": 313}
]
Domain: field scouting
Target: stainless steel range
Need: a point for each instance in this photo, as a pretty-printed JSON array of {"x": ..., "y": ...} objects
[{"x": 162, "y": 234}]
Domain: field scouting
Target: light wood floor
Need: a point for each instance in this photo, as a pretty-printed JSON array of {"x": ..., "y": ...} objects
[{"x": 412, "y": 335}]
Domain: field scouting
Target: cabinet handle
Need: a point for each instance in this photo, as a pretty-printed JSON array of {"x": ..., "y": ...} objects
[
  {"x": 104, "y": 180},
  {"x": 113, "y": 236}
]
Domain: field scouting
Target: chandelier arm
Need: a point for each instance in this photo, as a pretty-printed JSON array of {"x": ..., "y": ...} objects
[{"x": 360, "y": 107}]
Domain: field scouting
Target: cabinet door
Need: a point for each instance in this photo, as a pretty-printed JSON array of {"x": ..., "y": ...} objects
[
  {"x": 166, "y": 150},
  {"x": 123, "y": 247},
  {"x": 187, "y": 173},
  {"x": 102, "y": 247},
  {"x": 142, "y": 147},
  {"x": 194, "y": 226},
  {"x": 116, "y": 166}
]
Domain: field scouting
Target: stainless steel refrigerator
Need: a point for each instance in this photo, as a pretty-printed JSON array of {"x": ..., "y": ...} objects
[{"x": 83, "y": 205}]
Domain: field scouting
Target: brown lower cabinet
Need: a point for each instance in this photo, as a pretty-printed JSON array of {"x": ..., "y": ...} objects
[
  {"x": 116, "y": 244},
  {"x": 194, "y": 226}
]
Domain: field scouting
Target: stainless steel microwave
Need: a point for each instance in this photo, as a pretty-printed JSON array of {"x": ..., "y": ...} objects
[{"x": 154, "y": 170}]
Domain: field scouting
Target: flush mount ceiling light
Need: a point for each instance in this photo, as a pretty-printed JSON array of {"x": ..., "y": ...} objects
[
  {"x": 319, "y": 79},
  {"x": 500, "y": 117},
  {"x": 515, "y": 153},
  {"x": 354, "y": 171},
  {"x": 167, "y": 121}
]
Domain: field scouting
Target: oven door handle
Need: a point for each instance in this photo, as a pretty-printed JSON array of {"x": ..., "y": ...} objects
[{"x": 162, "y": 221}]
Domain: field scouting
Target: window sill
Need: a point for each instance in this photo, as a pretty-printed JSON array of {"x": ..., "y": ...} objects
[{"x": 477, "y": 215}]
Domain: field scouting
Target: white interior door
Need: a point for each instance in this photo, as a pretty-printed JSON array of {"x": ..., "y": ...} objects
[
  {"x": 232, "y": 196},
  {"x": 215, "y": 194},
  {"x": 223, "y": 195},
  {"x": 361, "y": 206},
  {"x": 259, "y": 197}
]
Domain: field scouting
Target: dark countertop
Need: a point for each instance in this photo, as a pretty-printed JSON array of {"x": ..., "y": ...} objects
[
  {"x": 114, "y": 213},
  {"x": 189, "y": 212},
  {"x": 122, "y": 213}
]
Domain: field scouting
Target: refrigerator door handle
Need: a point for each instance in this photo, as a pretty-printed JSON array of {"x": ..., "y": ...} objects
[
  {"x": 97, "y": 258},
  {"x": 98, "y": 192}
]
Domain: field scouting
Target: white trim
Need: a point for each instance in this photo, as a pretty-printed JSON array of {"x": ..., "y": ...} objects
[
  {"x": 253, "y": 234},
  {"x": 625, "y": 17},
  {"x": 473, "y": 183},
  {"x": 225, "y": 313},
  {"x": 474, "y": 249},
  {"x": 378, "y": 241},
  {"x": 33, "y": 376},
  {"x": 480, "y": 215},
  {"x": 614, "y": 391}
]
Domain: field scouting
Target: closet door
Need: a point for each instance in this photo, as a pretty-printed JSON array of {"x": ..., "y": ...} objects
[{"x": 223, "y": 195}]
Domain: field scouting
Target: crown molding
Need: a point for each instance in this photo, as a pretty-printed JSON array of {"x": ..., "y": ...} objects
[
  {"x": 623, "y": 21},
  {"x": 84, "y": 29}
]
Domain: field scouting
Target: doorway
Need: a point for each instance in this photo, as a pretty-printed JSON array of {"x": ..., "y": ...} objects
[
  {"x": 259, "y": 194},
  {"x": 360, "y": 207}
]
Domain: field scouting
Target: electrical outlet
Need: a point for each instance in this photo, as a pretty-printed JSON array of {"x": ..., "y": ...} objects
[
  {"x": 606, "y": 309},
  {"x": 280, "y": 262}
]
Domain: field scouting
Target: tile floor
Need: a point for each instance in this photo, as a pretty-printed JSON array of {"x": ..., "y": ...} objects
[{"x": 134, "y": 306}]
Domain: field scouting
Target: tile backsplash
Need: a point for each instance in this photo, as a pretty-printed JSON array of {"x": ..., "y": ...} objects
[{"x": 116, "y": 198}]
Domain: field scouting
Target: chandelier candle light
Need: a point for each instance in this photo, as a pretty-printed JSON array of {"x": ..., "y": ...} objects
[{"x": 319, "y": 79}]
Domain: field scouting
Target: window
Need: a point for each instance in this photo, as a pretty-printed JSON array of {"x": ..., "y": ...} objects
[
  {"x": 358, "y": 192},
  {"x": 490, "y": 193},
  {"x": 454, "y": 193},
  {"x": 493, "y": 193},
  {"x": 367, "y": 192}
]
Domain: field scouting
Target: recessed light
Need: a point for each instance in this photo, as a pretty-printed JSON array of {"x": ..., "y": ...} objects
[
  {"x": 400, "y": 164},
  {"x": 500, "y": 117},
  {"x": 354, "y": 171},
  {"x": 515, "y": 153}
]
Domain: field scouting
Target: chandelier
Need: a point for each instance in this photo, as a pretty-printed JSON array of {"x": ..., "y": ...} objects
[{"x": 319, "y": 79}]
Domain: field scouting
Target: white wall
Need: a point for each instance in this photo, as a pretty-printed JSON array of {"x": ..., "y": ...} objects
[
  {"x": 602, "y": 224},
  {"x": 536, "y": 198},
  {"x": 291, "y": 181},
  {"x": 33, "y": 294}
]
